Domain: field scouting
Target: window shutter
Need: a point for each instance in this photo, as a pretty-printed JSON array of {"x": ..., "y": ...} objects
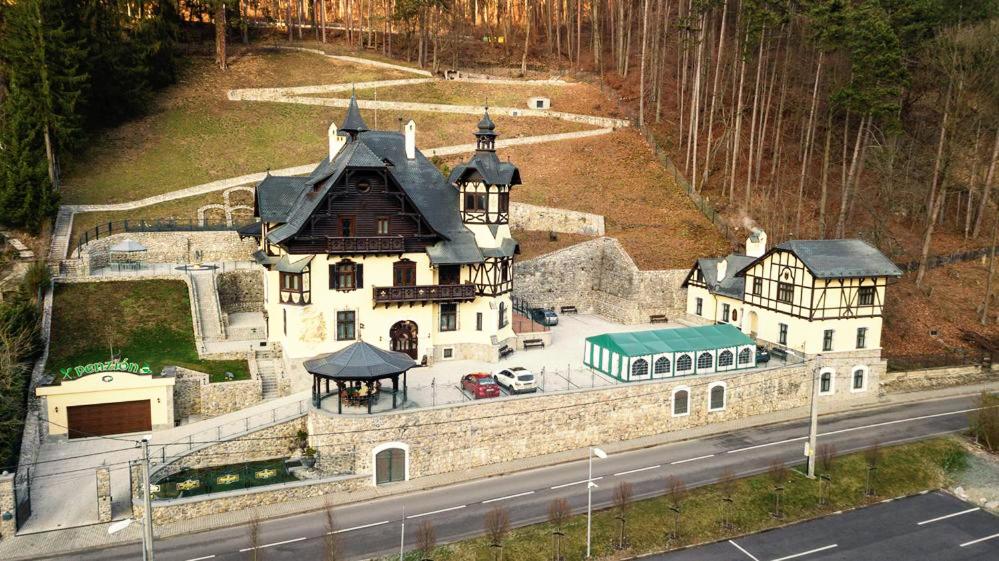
[
  {"x": 334, "y": 278},
  {"x": 359, "y": 276}
]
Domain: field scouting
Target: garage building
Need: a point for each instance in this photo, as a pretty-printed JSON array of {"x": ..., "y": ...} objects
[{"x": 665, "y": 353}]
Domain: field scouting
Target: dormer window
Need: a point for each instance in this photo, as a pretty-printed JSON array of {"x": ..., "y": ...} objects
[
  {"x": 347, "y": 224},
  {"x": 476, "y": 202},
  {"x": 363, "y": 186}
]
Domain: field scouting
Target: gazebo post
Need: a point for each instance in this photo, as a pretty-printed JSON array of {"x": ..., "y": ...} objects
[
  {"x": 370, "y": 395},
  {"x": 395, "y": 389},
  {"x": 327, "y": 385},
  {"x": 314, "y": 402},
  {"x": 339, "y": 397},
  {"x": 405, "y": 391}
]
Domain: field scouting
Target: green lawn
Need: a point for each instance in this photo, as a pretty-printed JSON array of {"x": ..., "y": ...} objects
[
  {"x": 902, "y": 470},
  {"x": 146, "y": 321}
]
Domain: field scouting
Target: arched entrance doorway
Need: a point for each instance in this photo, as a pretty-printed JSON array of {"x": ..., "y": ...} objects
[
  {"x": 754, "y": 327},
  {"x": 391, "y": 463},
  {"x": 404, "y": 338}
]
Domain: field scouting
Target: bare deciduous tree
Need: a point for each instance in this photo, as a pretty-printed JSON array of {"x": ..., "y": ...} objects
[
  {"x": 676, "y": 492},
  {"x": 623, "y": 494},
  {"x": 872, "y": 455},
  {"x": 726, "y": 488},
  {"x": 558, "y": 513},
  {"x": 826, "y": 453},
  {"x": 331, "y": 540},
  {"x": 985, "y": 421},
  {"x": 253, "y": 527},
  {"x": 426, "y": 540},
  {"x": 497, "y": 526},
  {"x": 778, "y": 476}
]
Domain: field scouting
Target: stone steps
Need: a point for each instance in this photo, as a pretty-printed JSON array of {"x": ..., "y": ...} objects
[
  {"x": 61, "y": 233},
  {"x": 267, "y": 369},
  {"x": 208, "y": 307}
]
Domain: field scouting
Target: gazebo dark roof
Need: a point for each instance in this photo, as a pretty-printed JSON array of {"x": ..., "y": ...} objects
[{"x": 359, "y": 361}]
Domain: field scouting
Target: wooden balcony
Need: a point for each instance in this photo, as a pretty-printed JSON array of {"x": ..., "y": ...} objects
[
  {"x": 369, "y": 244},
  {"x": 423, "y": 294}
]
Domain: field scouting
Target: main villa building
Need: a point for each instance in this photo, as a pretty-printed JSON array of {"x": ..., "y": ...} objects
[{"x": 377, "y": 245}]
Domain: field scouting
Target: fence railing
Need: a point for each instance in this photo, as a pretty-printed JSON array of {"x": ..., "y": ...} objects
[
  {"x": 106, "y": 229},
  {"x": 937, "y": 360},
  {"x": 165, "y": 454}
]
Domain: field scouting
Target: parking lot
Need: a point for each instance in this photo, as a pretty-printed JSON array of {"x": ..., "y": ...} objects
[{"x": 931, "y": 527}]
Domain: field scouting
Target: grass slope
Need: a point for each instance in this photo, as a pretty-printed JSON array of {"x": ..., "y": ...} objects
[
  {"x": 148, "y": 321},
  {"x": 902, "y": 470}
]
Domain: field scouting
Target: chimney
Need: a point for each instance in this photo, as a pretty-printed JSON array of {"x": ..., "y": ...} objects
[
  {"x": 411, "y": 140},
  {"x": 722, "y": 269},
  {"x": 337, "y": 142},
  {"x": 756, "y": 243}
]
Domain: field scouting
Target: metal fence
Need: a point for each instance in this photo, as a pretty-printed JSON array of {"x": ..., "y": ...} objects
[
  {"x": 139, "y": 270},
  {"x": 106, "y": 229},
  {"x": 938, "y": 360}
]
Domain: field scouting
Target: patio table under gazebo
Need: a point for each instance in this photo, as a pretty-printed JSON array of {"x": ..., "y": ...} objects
[
  {"x": 127, "y": 253},
  {"x": 358, "y": 364}
]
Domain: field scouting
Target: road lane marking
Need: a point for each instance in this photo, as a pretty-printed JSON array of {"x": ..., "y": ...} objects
[
  {"x": 202, "y": 558},
  {"x": 804, "y": 553},
  {"x": 576, "y": 483},
  {"x": 361, "y": 527},
  {"x": 739, "y": 547},
  {"x": 525, "y": 493},
  {"x": 437, "y": 511},
  {"x": 620, "y": 473},
  {"x": 946, "y": 516},
  {"x": 245, "y": 549},
  {"x": 767, "y": 444},
  {"x": 692, "y": 459},
  {"x": 979, "y": 540}
]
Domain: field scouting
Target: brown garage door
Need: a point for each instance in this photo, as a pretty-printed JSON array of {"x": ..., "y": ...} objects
[{"x": 109, "y": 418}]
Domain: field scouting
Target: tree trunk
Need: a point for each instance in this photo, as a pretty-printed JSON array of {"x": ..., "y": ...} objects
[
  {"x": 752, "y": 124},
  {"x": 987, "y": 187},
  {"x": 809, "y": 133},
  {"x": 992, "y": 267},
  {"x": 50, "y": 157},
  {"x": 936, "y": 199},
  {"x": 527, "y": 38},
  {"x": 641, "y": 68},
  {"x": 695, "y": 103},
  {"x": 825, "y": 179},
  {"x": 714, "y": 96},
  {"x": 220, "y": 55},
  {"x": 738, "y": 131},
  {"x": 243, "y": 28},
  {"x": 845, "y": 195}
]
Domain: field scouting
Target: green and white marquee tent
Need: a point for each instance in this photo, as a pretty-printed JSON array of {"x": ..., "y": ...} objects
[{"x": 664, "y": 353}]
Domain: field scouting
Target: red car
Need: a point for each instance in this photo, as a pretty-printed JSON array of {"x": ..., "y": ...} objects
[{"x": 481, "y": 385}]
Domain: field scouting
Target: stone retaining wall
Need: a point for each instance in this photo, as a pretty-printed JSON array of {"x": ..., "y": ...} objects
[
  {"x": 173, "y": 247},
  {"x": 525, "y": 216},
  {"x": 918, "y": 380},
  {"x": 241, "y": 291},
  {"x": 459, "y": 437},
  {"x": 194, "y": 394},
  {"x": 599, "y": 276},
  {"x": 7, "y": 504}
]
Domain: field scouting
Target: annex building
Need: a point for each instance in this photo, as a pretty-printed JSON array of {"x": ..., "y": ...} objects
[{"x": 377, "y": 245}]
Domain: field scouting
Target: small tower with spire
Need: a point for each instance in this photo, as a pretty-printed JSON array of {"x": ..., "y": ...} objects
[
  {"x": 353, "y": 123},
  {"x": 485, "y": 137}
]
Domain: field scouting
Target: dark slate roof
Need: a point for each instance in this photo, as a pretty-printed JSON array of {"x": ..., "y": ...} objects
[
  {"x": 436, "y": 200},
  {"x": 506, "y": 249},
  {"x": 492, "y": 170},
  {"x": 353, "y": 121},
  {"x": 359, "y": 361},
  {"x": 841, "y": 258},
  {"x": 276, "y": 194},
  {"x": 286, "y": 265},
  {"x": 732, "y": 285}
]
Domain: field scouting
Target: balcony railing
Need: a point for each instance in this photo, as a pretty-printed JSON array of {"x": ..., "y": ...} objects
[
  {"x": 371, "y": 244},
  {"x": 424, "y": 293}
]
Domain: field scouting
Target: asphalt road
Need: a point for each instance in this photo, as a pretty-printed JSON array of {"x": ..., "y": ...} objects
[
  {"x": 930, "y": 527},
  {"x": 372, "y": 528}
]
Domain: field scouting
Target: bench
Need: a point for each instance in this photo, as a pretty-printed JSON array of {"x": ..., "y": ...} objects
[
  {"x": 779, "y": 353},
  {"x": 505, "y": 350},
  {"x": 658, "y": 318},
  {"x": 531, "y": 343},
  {"x": 568, "y": 309}
]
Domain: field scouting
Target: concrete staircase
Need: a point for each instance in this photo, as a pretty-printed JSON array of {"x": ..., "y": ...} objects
[
  {"x": 268, "y": 365},
  {"x": 61, "y": 233},
  {"x": 209, "y": 313}
]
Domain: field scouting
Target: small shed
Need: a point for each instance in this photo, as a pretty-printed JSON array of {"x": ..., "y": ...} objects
[
  {"x": 665, "y": 353},
  {"x": 539, "y": 103}
]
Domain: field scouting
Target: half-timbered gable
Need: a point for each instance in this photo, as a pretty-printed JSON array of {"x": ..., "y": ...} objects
[{"x": 374, "y": 243}]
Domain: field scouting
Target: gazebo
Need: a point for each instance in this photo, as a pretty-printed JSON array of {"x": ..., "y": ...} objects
[{"x": 363, "y": 366}]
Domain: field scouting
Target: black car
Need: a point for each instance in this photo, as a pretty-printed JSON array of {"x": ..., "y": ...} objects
[
  {"x": 762, "y": 355},
  {"x": 547, "y": 318}
]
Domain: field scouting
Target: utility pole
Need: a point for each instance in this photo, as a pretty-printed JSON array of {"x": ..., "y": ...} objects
[
  {"x": 147, "y": 515},
  {"x": 813, "y": 429},
  {"x": 402, "y": 535}
]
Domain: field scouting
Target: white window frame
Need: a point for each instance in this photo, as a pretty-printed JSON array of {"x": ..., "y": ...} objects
[
  {"x": 444, "y": 350},
  {"x": 832, "y": 381},
  {"x": 672, "y": 401},
  {"x": 867, "y": 375},
  {"x": 676, "y": 360},
  {"x": 381, "y": 448},
  {"x": 711, "y": 388}
]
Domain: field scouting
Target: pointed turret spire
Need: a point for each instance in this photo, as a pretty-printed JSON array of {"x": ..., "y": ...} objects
[
  {"x": 486, "y": 135},
  {"x": 353, "y": 123}
]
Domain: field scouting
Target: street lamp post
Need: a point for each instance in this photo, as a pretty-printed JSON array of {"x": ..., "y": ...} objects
[{"x": 594, "y": 451}]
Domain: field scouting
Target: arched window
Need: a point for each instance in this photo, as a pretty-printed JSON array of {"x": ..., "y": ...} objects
[
  {"x": 681, "y": 401},
  {"x": 704, "y": 361},
  {"x": 735, "y": 315},
  {"x": 640, "y": 368},
  {"x": 502, "y": 315},
  {"x": 716, "y": 396},
  {"x": 825, "y": 382},
  {"x": 391, "y": 463},
  {"x": 725, "y": 359},
  {"x": 745, "y": 356},
  {"x": 859, "y": 379},
  {"x": 404, "y": 273},
  {"x": 683, "y": 363},
  {"x": 662, "y": 366}
]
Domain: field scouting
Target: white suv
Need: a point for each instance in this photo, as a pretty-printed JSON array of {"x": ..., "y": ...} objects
[{"x": 516, "y": 380}]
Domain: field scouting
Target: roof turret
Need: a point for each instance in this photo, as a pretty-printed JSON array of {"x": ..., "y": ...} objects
[{"x": 353, "y": 123}]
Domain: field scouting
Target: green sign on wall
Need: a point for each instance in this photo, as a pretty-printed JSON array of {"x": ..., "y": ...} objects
[{"x": 118, "y": 365}]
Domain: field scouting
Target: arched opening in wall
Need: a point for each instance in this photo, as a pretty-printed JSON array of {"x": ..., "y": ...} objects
[
  {"x": 745, "y": 356},
  {"x": 716, "y": 397},
  {"x": 661, "y": 366},
  {"x": 725, "y": 359},
  {"x": 639, "y": 368},
  {"x": 826, "y": 382},
  {"x": 404, "y": 338},
  {"x": 391, "y": 463},
  {"x": 681, "y": 401},
  {"x": 859, "y": 382},
  {"x": 683, "y": 364},
  {"x": 704, "y": 361},
  {"x": 754, "y": 327}
]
